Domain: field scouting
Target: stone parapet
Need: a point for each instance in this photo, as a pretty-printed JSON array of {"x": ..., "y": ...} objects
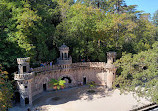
[
  {"x": 53, "y": 67},
  {"x": 23, "y": 60},
  {"x": 89, "y": 64},
  {"x": 68, "y": 66},
  {"x": 66, "y": 61},
  {"x": 24, "y": 76}
]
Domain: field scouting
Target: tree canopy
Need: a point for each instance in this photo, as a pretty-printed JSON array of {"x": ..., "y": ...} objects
[
  {"x": 140, "y": 73},
  {"x": 6, "y": 90},
  {"x": 36, "y": 28}
]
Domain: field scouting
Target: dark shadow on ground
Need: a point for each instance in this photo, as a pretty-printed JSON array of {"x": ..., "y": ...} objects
[{"x": 70, "y": 94}]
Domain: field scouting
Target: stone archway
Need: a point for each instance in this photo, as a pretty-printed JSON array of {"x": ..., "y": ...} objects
[
  {"x": 45, "y": 83},
  {"x": 69, "y": 80}
]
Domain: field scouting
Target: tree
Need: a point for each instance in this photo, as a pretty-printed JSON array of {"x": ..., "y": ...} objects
[
  {"x": 140, "y": 73},
  {"x": 6, "y": 91},
  {"x": 155, "y": 18}
]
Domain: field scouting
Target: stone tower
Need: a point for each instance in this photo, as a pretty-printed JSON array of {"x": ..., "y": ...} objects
[
  {"x": 111, "y": 69},
  {"x": 64, "y": 58},
  {"x": 24, "y": 80}
]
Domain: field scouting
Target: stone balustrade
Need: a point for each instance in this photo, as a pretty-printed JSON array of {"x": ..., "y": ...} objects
[
  {"x": 68, "y": 66},
  {"x": 89, "y": 64},
  {"x": 23, "y": 60},
  {"x": 24, "y": 76},
  {"x": 53, "y": 67},
  {"x": 64, "y": 61}
]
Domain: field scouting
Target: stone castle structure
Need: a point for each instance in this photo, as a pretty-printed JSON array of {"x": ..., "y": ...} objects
[{"x": 33, "y": 82}]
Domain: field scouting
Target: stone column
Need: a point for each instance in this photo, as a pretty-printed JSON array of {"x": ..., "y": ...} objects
[
  {"x": 67, "y": 55},
  {"x": 30, "y": 92},
  {"x": 22, "y": 100},
  {"x": 60, "y": 55},
  {"x": 27, "y": 67},
  {"x": 109, "y": 79},
  {"x": 20, "y": 69}
]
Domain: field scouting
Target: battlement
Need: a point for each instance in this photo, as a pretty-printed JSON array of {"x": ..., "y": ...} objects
[
  {"x": 23, "y": 60},
  {"x": 24, "y": 76},
  {"x": 89, "y": 64}
]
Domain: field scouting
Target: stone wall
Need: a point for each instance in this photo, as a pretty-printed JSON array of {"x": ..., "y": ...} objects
[{"x": 75, "y": 74}]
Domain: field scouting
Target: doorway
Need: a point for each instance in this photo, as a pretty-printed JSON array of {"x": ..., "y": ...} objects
[
  {"x": 84, "y": 81},
  {"x": 17, "y": 97},
  {"x": 44, "y": 87},
  {"x": 24, "y": 68},
  {"x": 26, "y": 100}
]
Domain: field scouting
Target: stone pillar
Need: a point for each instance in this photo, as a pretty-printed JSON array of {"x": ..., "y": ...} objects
[
  {"x": 67, "y": 55},
  {"x": 20, "y": 69},
  {"x": 30, "y": 92},
  {"x": 109, "y": 79},
  {"x": 60, "y": 55},
  {"x": 22, "y": 100},
  {"x": 27, "y": 67}
]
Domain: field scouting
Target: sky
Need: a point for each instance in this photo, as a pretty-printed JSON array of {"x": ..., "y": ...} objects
[{"x": 148, "y": 6}]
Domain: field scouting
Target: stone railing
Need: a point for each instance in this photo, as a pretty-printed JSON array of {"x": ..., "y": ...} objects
[
  {"x": 23, "y": 60},
  {"x": 43, "y": 68},
  {"x": 24, "y": 76},
  {"x": 53, "y": 67},
  {"x": 65, "y": 61},
  {"x": 68, "y": 66},
  {"x": 89, "y": 64}
]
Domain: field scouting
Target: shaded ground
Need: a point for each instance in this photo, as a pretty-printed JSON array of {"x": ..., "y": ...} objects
[{"x": 78, "y": 99}]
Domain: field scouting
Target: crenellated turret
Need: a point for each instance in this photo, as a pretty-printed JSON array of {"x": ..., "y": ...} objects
[
  {"x": 24, "y": 78},
  {"x": 23, "y": 65},
  {"x": 111, "y": 69}
]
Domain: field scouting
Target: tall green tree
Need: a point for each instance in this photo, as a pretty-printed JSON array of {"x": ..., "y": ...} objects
[
  {"x": 155, "y": 18},
  {"x": 140, "y": 73},
  {"x": 6, "y": 90}
]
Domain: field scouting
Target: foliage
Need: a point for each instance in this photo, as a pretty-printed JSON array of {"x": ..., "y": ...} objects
[
  {"x": 57, "y": 83},
  {"x": 92, "y": 84},
  {"x": 140, "y": 73},
  {"x": 36, "y": 28},
  {"x": 6, "y": 91},
  {"x": 155, "y": 18}
]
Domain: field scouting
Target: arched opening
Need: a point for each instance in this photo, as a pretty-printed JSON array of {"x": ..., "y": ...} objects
[
  {"x": 65, "y": 55},
  {"x": 44, "y": 87},
  {"x": 26, "y": 100},
  {"x": 17, "y": 97},
  {"x": 84, "y": 81},
  {"x": 24, "y": 68},
  {"x": 113, "y": 59},
  {"x": 67, "y": 79}
]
